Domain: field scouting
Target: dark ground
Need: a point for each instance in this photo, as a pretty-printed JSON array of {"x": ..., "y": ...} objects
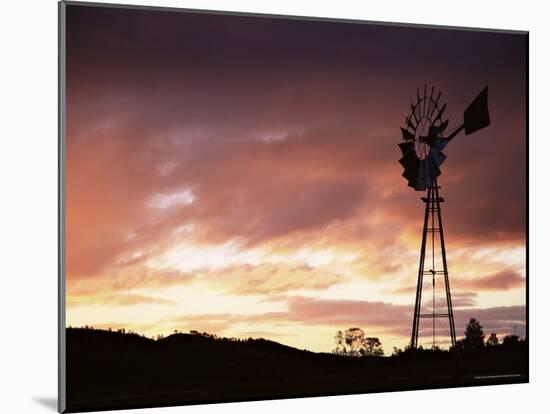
[{"x": 112, "y": 370}]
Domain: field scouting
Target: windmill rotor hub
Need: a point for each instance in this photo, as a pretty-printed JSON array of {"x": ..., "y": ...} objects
[{"x": 421, "y": 138}]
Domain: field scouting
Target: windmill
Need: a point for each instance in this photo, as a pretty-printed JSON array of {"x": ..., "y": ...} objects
[{"x": 422, "y": 148}]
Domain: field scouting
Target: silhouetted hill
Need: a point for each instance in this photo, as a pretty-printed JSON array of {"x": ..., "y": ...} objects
[{"x": 120, "y": 370}]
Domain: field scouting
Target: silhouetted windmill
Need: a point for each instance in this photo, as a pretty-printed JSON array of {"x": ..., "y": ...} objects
[{"x": 422, "y": 150}]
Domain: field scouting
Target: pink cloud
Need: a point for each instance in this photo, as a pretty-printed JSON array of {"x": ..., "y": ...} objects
[{"x": 499, "y": 281}]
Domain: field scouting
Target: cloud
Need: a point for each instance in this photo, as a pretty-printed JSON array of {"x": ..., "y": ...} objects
[
  {"x": 118, "y": 300},
  {"x": 327, "y": 171},
  {"x": 268, "y": 279},
  {"x": 380, "y": 317},
  {"x": 311, "y": 312},
  {"x": 195, "y": 133},
  {"x": 499, "y": 281},
  {"x": 122, "y": 282},
  {"x": 464, "y": 299}
]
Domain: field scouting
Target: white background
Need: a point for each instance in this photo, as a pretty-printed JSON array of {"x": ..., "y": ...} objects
[{"x": 28, "y": 203}]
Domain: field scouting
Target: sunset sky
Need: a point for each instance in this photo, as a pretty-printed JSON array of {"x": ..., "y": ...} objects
[{"x": 239, "y": 175}]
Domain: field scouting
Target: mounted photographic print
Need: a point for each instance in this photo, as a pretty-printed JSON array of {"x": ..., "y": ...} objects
[{"x": 256, "y": 207}]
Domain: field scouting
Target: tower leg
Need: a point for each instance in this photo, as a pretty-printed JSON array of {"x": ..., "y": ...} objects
[
  {"x": 418, "y": 300},
  {"x": 446, "y": 273}
]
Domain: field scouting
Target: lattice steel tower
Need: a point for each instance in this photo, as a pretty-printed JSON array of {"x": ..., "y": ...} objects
[{"x": 422, "y": 156}]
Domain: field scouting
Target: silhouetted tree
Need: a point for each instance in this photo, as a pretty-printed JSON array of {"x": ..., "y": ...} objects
[
  {"x": 474, "y": 336},
  {"x": 350, "y": 342},
  {"x": 510, "y": 341},
  {"x": 353, "y": 342},
  {"x": 340, "y": 348},
  {"x": 373, "y": 347},
  {"x": 492, "y": 340}
]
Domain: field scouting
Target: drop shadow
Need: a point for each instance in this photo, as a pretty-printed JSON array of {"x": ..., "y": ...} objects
[{"x": 47, "y": 402}]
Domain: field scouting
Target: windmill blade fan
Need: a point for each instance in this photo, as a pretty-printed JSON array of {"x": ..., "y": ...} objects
[
  {"x": 440, "y": 113},
  {"x": 407, "y": 136},
  {"x": 437, "y": 156},
  {"x": 410, "y": 175},
  {"x": 432, "y": 167},
  {"x": 407, "y": 148},
  {"x": 424, "y": 139},
  {"x": 435, "y": 135},
  {"x": 410, "y": 164},
  {"x": 439, "y": 129},
  {"x": 409, "y": 161}
]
